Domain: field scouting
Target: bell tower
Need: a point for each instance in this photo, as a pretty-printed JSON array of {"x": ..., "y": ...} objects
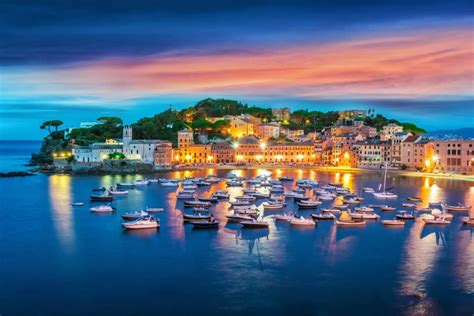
[{"x": 127, "y": 135}]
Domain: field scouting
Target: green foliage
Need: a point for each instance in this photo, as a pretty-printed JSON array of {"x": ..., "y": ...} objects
[
  {"x": 410, "y": 127},
  {"x": 50, "y": 124},
  {"x": 116, "y": 156},
  {"x": 261, "y": 113},
  {"x": 112, "y": 120}
]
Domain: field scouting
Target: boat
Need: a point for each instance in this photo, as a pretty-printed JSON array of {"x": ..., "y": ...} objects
[
  {"x": 244, "y": 207},
  {"x": 458, "y": 208},
  {"x": 286, "y": 178},
  {"x": 154, "y": 180},
  {"x": 404, "y": 215},
  {"x": 185, "y": 195},
  {"x": 209, "y": 224},
  {"x": 436, "y": 221},
  {"x": 369, "y": 216},
  {"x": 434, "y": 204},
  {"x": 125, "y": 184},
  {"x": 154, "y": 209},
  {"x": 196, "y": 203},
  {"x": 237, "y": 218},
  {"x": 101, "y": 198},
  {"x": 376, "y": 205},
  {"x": 351, "y": 201},
  {"x": 364, "y": 209},
  {"x": 169, "y": 184},
  {"x": 345, "y": 220},
  {"x": 393, "y": 222},
  {"x": 208, "y": 199},
  {"x": 141, "y": 182},
  {"x": 300, "y": 197},
  {"x": 102, "y": 189},
  {"x": 368, "y": 190},
  {"x": 198, "y": 217},
  {"x": 408, "y": 204},
  {"x": 438, "y": 213},
  {"x": 331, "y": 210},
  {"x": 268, "y": 206},
  {"x": 118, "y": 192},
  {"x": 245, "y": 198},
  {"x": 254, "y": 224},
  {"x": 323, "y": 216},
  {"x": 259, "y": 195},
  {"x": 249, "y": 212},
  {"x": 387, "y": 208},
  {"x": 102, "y": 209},
  {"x": 200, "y": 210},
  {"x": 301, "y": 221},
  {"x": 308, "y": 204},
  {"x": 340, "y": 206},
  {"x": 414, "y": 199},
  {"x": 221, "y": 194},
  {"x": 145, "y": 222},
  {"x": 326, "y": 197},
  {"x": 283, "y": 217},
  {"x": 77, "y": 203},
  {"x": 384, "y": 194},
  {"x": 131, "y": 216},
  {"x": 468, "y": 221}
]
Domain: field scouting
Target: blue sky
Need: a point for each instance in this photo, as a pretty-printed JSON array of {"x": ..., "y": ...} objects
[{"x": 78, "y": 60}]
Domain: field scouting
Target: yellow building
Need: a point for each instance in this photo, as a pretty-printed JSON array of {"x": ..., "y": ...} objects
[{"x": 239, "y": 126}]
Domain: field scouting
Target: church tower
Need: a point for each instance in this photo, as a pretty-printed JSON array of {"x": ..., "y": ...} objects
[
  {"x": 127, "y": 135},
  {"x": 185, "y": 138}
]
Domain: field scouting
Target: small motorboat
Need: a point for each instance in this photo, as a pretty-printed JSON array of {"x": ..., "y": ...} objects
[
  {"x": 308, "y": 205},
  {"x": 340, "y": 206},
  {"x": 436, "y": 221},
  {"x": 154, "y": 180},
  {"x": 102, "y": 209},
  {"x": 141, "y": 182},
  {"x": 364, "y": 209},
  {"x": 334, "y": 211},
  {"x": 102, "y": 198},
  {"x": 411, "y": 205},
  {"x": 387, "y": 208},
  {"x": 102, "y": 189},
  {"x": 438, "y": 213},
  {"x": 209, "y": 224},
  {"x": 197, "y": 203},
  {"x": 118, "y": 192},
  {"x": 77, "y": 203},
  {"x": 272, "y": 207},
  {"x": 468, "y": 221},
  {"x": 326, "y": 197},
  {"x": 169, "y": 184},
  {"x": 254, "y": 224},
  {"x": 237, "y": 218},
  {"x": 345, "y": 220},
  {"x": 250, "y": 212},
  {"x": 301, "y": 221},
  {"x": 414, "y": 199},
  {"x": 376, "y": 205},
  {"x": 125, "y": 184},
  {"x": 145, "y": 222},
  {"x": 435, "y": 204},
  {"x": 283, "y": 217},
  {"x": 185, "y": 195},
  {"x": 131, "y": 216},
  {"x": 155, "y": 209},
  {"x": 200, "y": 210},
  {"x": 208, "y": 199},
  {"x": 300, "y": 197},
  {"x": 405, "y": 215},
  {"x": 286, "y": 178},
  {"x": 198, "y": 217},
  {"x": 240, "y": 203},
  {"x": 385, "y": 195},
  {"x": 363, "y": 215},
  {"x": 368, "y": 190},
  {"x": 458, "y": 208},
  {"x": 393, "y": 222},
  {"x": 221, "y": 194},
  {"x": 351, "y": 201},
  {"x": 323, "y": 216}
]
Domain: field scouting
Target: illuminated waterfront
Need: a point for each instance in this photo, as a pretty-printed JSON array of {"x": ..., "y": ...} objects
[{"x": 54, "y": 252}]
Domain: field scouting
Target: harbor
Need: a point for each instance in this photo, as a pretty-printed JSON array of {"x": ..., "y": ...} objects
[{"x": 254, "y": 241}]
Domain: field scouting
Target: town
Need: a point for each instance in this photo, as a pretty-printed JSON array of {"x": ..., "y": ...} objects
[{"x": 253, "y": 141}]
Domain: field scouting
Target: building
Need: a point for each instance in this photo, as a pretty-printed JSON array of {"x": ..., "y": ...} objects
[
  {"x": 282, "y": 114},
  {"x": 185, "y": 138},
  {"x": 372, "y": 153},
  {"x": 396, "y": 152},
  {"x": 194, "y": 154},
  {"x": 138, "y": 149},
  {"x": 223, "y": 153},
  {"x": 239, "y": 125},
  {"x": 268, "y": 130},
  {"x": 349, "y": 116},
  {"x": 453, "y": 156},
  {"x": 416, "y": 152},
  {"x": 390, "y": 130},
  {"x": 164, "y": 154},
  {"x": 88, "y": 124},
  {"x": 96, "y": 152}
]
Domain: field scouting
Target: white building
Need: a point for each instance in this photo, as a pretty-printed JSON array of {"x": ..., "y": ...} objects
[
  {"x": 389, "y": 130},
  {"x": 268, "y": 130},
  {"x": 88, "y": 124}
]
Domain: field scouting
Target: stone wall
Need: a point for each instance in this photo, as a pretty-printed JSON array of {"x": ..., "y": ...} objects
[{"x": 112, "y": 166}]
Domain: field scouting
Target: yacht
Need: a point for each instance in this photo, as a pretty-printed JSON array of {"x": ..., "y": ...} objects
[
  {"x": 145, "y": 222},
  {"x": 384, "y": 194},
  {"x": 301, "y": 221},
  {"x": 102, "y": 209},
  {"x": 131, "y": 216}
]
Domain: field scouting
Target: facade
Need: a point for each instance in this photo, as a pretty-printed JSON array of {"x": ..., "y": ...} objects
[
  {"x": 282, "y": 114},
  {"x": 164, "y": 154},
  {"x": 391, "y": 129},
  {"x": 416, "y": 152},
  {"x": 372, "y": 153},
  {"x": 397, "y": 139},
  {"x": 268, "y": 130},
  {"x": 239, "y": 125},
  {"x": 223, "y": 153},
  {"x": 454, "y": 156}
]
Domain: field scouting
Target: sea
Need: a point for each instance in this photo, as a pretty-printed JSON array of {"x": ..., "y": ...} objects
[
  {"x": 15, "y": 154},
  {"x": 56, "y": 259}
]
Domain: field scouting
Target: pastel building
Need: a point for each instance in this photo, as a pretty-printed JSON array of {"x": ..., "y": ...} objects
[
  {"x": 416, "y": 153},
  {"x": 372, "y": 153},
  {"x": 268, "y": 130},
  {"x": 454, "y": 156}
]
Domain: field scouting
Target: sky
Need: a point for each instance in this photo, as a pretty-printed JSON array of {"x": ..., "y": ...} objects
[{"x": 79, "y": 60}]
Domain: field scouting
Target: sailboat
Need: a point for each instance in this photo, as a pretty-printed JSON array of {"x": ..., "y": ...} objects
[{"x": 384, "y": 194}]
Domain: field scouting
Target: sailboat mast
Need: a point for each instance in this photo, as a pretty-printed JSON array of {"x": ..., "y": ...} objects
[{"x": 385, "y": 178}]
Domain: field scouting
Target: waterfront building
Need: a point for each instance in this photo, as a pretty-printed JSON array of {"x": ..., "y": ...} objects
[
  {"x": 164, "y": 154},
  {"x": 453, "y": 156},
  {"x": 96, "y": 152},
  {"x": 138, "y": 149},
  {"x": 372, "y": 153},
  {"x": 282, "y": 114},
  {"x": 415, "y": 152},
  {"x": 389, "y": 130},
  {"x": 396, "y": 150},
  {"x": 268, "y": 130},
  {"x": 223, "y": 153},
  {"x": 185, "y": 138}
]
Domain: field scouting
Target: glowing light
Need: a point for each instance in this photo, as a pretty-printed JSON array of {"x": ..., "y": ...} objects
[
  {"x": 259, "y": 157},
  {"x": 239, "y": 157},
  {"x": 263, "y": 145},
  {"x": 435, "y": 158},
  {"x": 176, "y": 157},
  {"x": 210, "y": 158},
  {"x": 300, "y": 157},
  {"x": 235, "y": 145},
  {"x": 278, "y": 157},
  {"x": 188, "y": 157},
  {"x": 347, "y": 156},
  {"x": 427, "y": 163}
]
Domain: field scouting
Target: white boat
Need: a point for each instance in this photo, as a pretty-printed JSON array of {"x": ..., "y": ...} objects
[
  {"x": 370, "y": 216},
  {"x": 436, "y": 221},
  {"x": 408, "y": 204},
  {"x": 145, "y": 222},
  {"x": 77, "y": 203},
  {"x": 326, "y": 197},
  {"x": 283, "y": 217},
  {"x": 118, "y": 192},
  {"x": 247, "y": 212},
  {"x": 387, "y": 208},
  {"x": 102, "y": 209},
  {"x": 384, "y": 194},
  {"x": 393, "y": 222},
  {"x": 323, "y": 216},
  {"x": 268, "y": 206},
  {"x": 404, "y": 215},
  {"x": 185, "y": 195},
  {"x": 437, "y": 213},
  {"x": 301, "y": 221},
  {"x": 364, "y": 209},
  {"x": 458, "y": 208},
  {"x": 237, "y": 218},
  {"x": 345, "y": 220},
  {"x": 131, "y": 216},
  {"x": 154, "y": 180},
  {"x": 141, "y": 182},
  {"x": 351, "y": 201},
  {"x": 154, "y": 209},
  {"x": 368, "y": 190},
  {"x": 169, "y": 184},
  {"x": 125, "y": 184},
  {"x": 243, "y": 207}
]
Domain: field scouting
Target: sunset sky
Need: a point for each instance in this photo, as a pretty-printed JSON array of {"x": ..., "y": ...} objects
[{"x": 78, "y": 60}]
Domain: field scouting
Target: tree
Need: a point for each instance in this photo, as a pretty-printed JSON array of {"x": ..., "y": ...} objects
[
  {"x": 52, "y": 123},
  {"x": 110, "y": 120}
]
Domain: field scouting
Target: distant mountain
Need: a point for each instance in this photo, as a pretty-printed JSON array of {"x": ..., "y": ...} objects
[{"x": 464, "y": 133}]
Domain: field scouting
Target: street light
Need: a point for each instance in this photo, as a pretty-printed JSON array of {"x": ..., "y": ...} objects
[
  {"x": 235, "y": 145},
  {"x": 263, "y": 145}
]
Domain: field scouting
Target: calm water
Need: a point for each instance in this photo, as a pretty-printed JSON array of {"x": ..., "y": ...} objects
[
  {"x": 59, "y": 260},
  {"x": 14, "y": 155}
]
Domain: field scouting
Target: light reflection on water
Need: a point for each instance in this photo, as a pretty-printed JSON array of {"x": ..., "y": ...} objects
[{"x": 60, "y": 199}]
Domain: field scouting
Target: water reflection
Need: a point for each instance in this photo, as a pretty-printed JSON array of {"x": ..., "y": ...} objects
[
  {"x": 464, "y": 261},
  {"x": 60, "y": 200}
]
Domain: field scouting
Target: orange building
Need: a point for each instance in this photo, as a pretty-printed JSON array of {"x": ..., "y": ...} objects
[{"x": 454, "y": 156}]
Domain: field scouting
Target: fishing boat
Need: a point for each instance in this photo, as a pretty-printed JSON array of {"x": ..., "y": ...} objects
[
  {"x": 387, "y": 208},
  {"x": 237, "y": 218},
  {"x": 154, "y": 209},
  {"x": 404, "y": 215},
  {"x": 77, "y": 203},
  {"x": 468, "y": 221},
  {"x": 118, "y": 192},
  {"x": 209, "y": 224},
  {"x": 384, "y": 194},
  {"x": 369, "y": 216},
  {"x": 102, "y": 209},
  {"x": 436, "y": 221},
  {"x": 323, "y": 216},
  {"x": 414, "y": 199},
  {"x": 458, "y": 208},
  {"x": 308, "y": 205},
  {"x": 393, "y": 222},
  {"x": 145, "y": 222},
  {"x": 345, "y": 220},
  {"x": 101, "y": 198},
  {"x": 272, "y": 207},
  {"x": 254, "y": 224},
  {"x": 208, "y": 199},
  {"x": 198, "y": 217},
  {"x": 197, "y": 203},
  {"x": 301, "y": 221},
  {"x": 131, "y": 216}
]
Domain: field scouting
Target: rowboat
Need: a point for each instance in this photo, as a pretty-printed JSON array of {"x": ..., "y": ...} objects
[
  {"x": 301, "y": 221},
  {"x": 393, "y": 222},
  {"x": 145, "y": 222}
]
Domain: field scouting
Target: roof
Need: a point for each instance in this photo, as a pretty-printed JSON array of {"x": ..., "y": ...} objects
[
  {"x": 373, "y": 141},
  {"x": 411, "y": 139},
  {"x": 105, "y": 146}
]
